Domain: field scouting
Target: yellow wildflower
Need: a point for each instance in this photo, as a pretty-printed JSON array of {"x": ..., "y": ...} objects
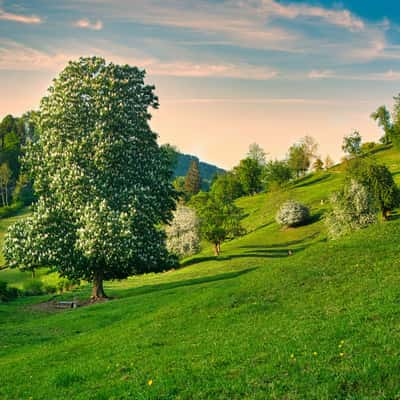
[{"x": 150, "y": 382}]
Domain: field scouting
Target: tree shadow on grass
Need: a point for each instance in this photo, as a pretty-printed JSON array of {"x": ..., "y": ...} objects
[
  {"x": 177, "y": 284},
  {"x": 279, "y": 250},
  {"x": 307, "y": 180}
]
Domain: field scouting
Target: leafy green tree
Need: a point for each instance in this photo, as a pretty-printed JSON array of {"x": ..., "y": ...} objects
[
  {"x": 318, "y": 165},
  {"x": 299, "y": 159},
  {"x": 277, "y": 173},
  {"x": 249, "y": 173},
  {"x": 379, "y": 180},
  {"x": 352, "y": 144},
  {"x": 193, "y": 179},
  {"x": 227, "y": 187},
  {"x": 219, "y": 219},
  {"x": 102, "y": 180},
  {"x": 382, "y": 116}
]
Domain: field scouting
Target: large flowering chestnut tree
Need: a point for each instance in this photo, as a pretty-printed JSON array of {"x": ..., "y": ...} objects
[{"x": 102, "y": 180}]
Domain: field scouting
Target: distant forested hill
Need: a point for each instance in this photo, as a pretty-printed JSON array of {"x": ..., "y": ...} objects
[{"x": 207, "y": 171}]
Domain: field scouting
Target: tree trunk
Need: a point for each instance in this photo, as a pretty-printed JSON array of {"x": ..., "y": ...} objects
[
  {"x": 385, "y": 214},
  {"x": 98, "y": 290},
  {"x": 217, "y": 249},
  {"x": 2, "y": 195}
]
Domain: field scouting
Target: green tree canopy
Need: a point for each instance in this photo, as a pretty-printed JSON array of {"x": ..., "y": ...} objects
[
  {"x": 379, "y": 180},
  {"x": 299, "y": 158},
  {"x": 227, "y": 187},
  {"x": 219, "y": 219},
  {"x": 249, "y": 173},
  {"x": 352, "y": 144},
  {"x": 277, "y": 173}
]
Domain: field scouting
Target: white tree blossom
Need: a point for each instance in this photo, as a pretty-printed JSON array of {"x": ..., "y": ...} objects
[
  {"x": 183, "y": 235},
  {"x": 292, "y": 213},
  {"x": 102, "y": 180},
  {"x": 353, "y": 208}
]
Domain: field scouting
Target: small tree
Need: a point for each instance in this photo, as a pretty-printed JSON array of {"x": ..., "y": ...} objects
[
  {"x": 379, "y": 180},
  {"x": 227, "y": 187},
  {"x": 382, "y": 116},
  {"x": 310, "y": 146},
  {"x": 193, "y": 179},
  {"x": 257, "y": 153},
  {"x": 352, "y": 144},
  {"x": 353, "y": 208},
  {"x": 183, "y": 235},
  {"x": 219, "y": 220},
  {"x": 249, "y": 173},
  {"x": 318, "y": 165},
  {"x": 277, "y": 173},
  {"x": 299, "y": 159},
  {"x": 292, "y": 213},
  {"x": 102, "y": 180}
]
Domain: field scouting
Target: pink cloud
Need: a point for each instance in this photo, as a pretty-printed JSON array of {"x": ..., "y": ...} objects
[
  {"x": 24, "y": 19},
  {"x": 86, "y": 24}
]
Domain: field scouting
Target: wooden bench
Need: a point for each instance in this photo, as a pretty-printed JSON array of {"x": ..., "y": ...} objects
[{"x": 67, "y": 304}]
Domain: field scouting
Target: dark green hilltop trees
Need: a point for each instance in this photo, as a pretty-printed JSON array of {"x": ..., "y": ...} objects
[
  {"x": 102, "y": 180},
  {"x": 193, "y": 179}
]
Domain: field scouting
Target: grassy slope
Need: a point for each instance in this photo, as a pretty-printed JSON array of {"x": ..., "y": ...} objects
[{"x": 255, "y": 324}]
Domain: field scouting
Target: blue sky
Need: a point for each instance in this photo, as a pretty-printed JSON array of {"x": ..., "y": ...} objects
[{"x": 228, "y": 72}]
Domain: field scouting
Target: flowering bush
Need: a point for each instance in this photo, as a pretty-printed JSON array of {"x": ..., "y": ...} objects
[
  {"x": 353, "y": 208},
  {"x": 292, "y": 213},
  {"x": 183, "y": 235}
]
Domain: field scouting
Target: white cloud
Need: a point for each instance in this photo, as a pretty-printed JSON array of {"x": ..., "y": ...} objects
[
  {"x": 86, "y": 24},
  {"x": 24, "y": 19},
  {"x": 15, "y": 56},
  {"x": 340, "y": 17},
  {"x": 321, "y": 74}
]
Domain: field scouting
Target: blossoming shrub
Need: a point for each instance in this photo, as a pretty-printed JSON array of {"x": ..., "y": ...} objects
[
  {"x": 292, "y": 213},
  {"x": 353, "y": 208},
  {"x": 183, "y": 235}
]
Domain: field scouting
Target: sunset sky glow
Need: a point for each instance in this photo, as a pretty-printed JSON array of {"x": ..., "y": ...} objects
[{"x": 227, "y": 72}]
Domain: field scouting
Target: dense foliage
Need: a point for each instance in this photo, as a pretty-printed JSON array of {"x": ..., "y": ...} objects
[
  {"x": 227, "y": 187},
  {"x": 103, "y": 182},
  {"x": 352, "y": 144},
  {"x": 352, "y": 208},
  {"x": 249, "y": 173},
  {"x": 219, "y": 219},
  {"x": 379, "y": 181}
]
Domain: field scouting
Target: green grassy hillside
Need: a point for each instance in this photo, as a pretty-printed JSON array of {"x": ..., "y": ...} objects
[{"x": 254, "y": 324}]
